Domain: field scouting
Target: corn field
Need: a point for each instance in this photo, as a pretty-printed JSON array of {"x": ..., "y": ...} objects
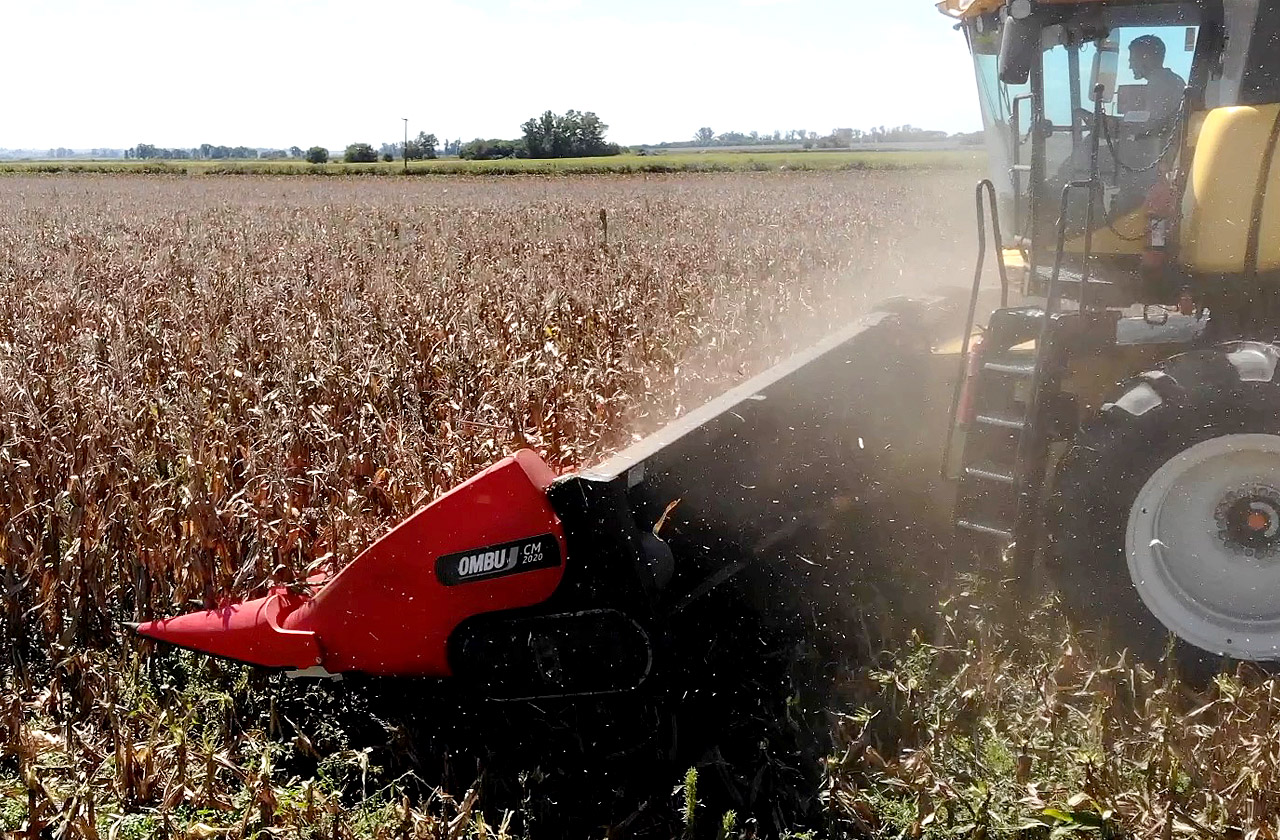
[
  {"x": 210, "y": 385},
  {"x": 207, "y": 386}
]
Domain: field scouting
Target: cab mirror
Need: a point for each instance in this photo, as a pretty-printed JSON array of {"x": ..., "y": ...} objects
[
  {"x": 1106, "y": 69},
  {"x": 1019, "y": 47}
]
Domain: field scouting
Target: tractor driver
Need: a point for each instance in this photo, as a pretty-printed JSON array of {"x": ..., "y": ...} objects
[
  {"x": 1163, "y": 91},
  {"x": 1164, "y": 88},
  {"x": 1138, "y": 144}
]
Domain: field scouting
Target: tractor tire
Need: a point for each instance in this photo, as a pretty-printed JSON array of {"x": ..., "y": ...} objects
[{"x": 1167, "y": 512}]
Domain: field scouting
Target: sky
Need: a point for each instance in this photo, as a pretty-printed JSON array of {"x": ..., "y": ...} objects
[{"x": 279, "y": 73}]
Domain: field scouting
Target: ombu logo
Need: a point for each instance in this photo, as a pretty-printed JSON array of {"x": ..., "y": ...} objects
[
  {"x": 488, "y": 561},
  {"x": 498, "y": 560}
]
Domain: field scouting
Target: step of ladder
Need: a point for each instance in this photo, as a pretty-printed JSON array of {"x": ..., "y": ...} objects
[
  {"x": 990, "y": 471},
  {"x": 986, "y": 530},
  {"x": 1000, "y": 420},
  {"x": 987, "y": 504},
  {"x": 1011, "y": 366}
]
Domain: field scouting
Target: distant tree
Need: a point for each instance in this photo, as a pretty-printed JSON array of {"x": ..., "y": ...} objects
[
  {"x": 704, "y": 136},
  {"x": 539, "y": 135},
  {"x": 146, "y": 151},
  {"x": 586, "y": 132},
  {"x": 480, "y": 149},
  {"x": 317, "y": 154},
  {"x": 360, "y": 153},
  {"x": 295, "y": 152},
  {"x": 572, "y": 134},
  {"x": 897, "y": 134},
  {"x": 208, "y": 151},
  {"x": 427, "y": 144},
  {"x": 422, "y": 148}
]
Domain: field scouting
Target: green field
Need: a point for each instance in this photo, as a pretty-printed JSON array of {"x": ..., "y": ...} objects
[{"x": 617, "y": 164}]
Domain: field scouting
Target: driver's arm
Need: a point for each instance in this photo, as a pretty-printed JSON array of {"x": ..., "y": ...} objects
[
  {"x": 1086, "y": 116},
  {"x": 1164, "y": 104}
]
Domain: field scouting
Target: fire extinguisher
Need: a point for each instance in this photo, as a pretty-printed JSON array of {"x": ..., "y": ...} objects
[
  {"x": 1187, "y": 302},
  {"x": 1161, "y": 211}
]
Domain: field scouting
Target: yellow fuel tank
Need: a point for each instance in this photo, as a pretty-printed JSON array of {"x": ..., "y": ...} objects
[{"x": 1233, "y": 194}]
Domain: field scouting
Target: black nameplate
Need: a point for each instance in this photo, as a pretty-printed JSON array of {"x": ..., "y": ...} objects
[{"x": 494, "y": 561}]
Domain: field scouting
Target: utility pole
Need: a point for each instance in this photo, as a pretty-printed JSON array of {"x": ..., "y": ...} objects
[{"x": 406, "y": 144}]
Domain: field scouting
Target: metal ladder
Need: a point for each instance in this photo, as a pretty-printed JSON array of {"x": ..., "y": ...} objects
[
  {"x": 1002, "y": 469},
  {"x": 987, "y": 497}
]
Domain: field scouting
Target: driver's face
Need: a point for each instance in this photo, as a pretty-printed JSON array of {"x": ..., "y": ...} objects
[{"x": 1139, "y": 63}]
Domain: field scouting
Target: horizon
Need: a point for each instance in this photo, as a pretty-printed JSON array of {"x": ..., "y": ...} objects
[
  {"x": 179, "y": 74},
  {"x": 766, "y": 141}
]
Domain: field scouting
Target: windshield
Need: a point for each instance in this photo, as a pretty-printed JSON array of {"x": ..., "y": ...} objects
[{"x": 1141, "y": 102}]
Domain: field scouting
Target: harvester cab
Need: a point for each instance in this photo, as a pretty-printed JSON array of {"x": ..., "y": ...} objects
[
  {"x": 1132, "y": 147},
  {"x": 1088, "y": 107}
]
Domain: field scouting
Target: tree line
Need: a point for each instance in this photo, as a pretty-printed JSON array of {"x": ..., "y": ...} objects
[
  {"x": 549, "y": 135},
  {"x": 837, "y": 138},
  {"x": 208, "y": 151}
]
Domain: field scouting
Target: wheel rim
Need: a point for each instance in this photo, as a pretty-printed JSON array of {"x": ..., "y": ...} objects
[{"x": 1203, "y": 545}]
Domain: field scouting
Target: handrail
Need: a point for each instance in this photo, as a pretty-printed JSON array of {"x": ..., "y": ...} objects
[
  {"x": 990, "y": 189},
  {"x": 1051, "y": 293},
  {"x": 996, "y": 235},
  {"x": 1093, "y": 185}
]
